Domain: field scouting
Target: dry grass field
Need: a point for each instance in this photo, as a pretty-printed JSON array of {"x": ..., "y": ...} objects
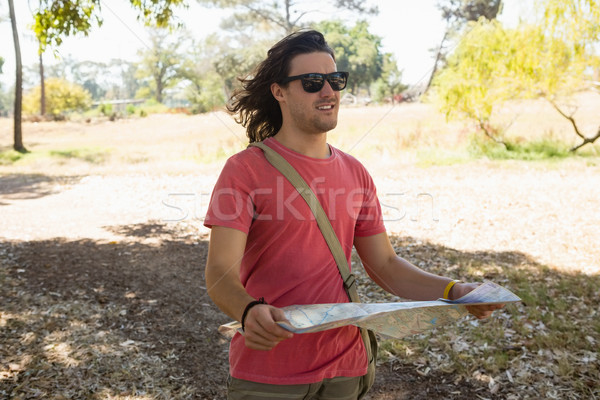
[{"x": 102, "y": 250}]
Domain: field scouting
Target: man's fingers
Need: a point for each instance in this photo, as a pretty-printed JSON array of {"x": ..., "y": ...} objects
[
  {"x": 261, "y": 330},
  {"x": 484, "y": 311}
]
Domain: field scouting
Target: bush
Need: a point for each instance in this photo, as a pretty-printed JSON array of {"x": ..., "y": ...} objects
[
  {"x": 209, "y": 96},
  {"x": 537, "y": 149},
  {"x": 106, "y": 109},
  {"x": 62, "y": 97}
]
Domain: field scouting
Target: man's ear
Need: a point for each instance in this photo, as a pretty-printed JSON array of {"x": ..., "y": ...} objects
[{"x": 277, "y": 91}]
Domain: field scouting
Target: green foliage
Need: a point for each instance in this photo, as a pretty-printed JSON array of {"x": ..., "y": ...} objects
[
  {"x": 106, "y": 109},
  {"x": 575, "y": 21},
  {"x": 234, "y": 63},
  {"x": 160, "y": 63},
  {"x": 492, "y": 64},
  {"x": 356, "y": 50},
  {"x": 61, "y": 97},
  {"x": 206, "y": 87},
  {"x": 56, "y": 19},
  {"x": 459, "y": 12},
  {"x": 252, "y": 16},
  {"x": 390, "y": 83},
  {"x": 208, "y": 95},
  {"x": 535, "y": 150},
  {"x": 92, "y": 155},
  {"x": 151, "y": 106},
  {"x": 4, "y": 102},
  {"x": 130, "y": 109},
  {"x": 8, "y": 157}
]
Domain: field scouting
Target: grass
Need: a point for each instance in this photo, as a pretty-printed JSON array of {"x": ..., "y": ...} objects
[
  {"x": 547, "y": 343},
  {"x": 92, "y": 155}
]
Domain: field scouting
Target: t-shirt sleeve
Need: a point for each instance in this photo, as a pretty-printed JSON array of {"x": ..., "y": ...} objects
[
  {"x": 230, "y": 204},
  {"x": 370, "y": 218}
]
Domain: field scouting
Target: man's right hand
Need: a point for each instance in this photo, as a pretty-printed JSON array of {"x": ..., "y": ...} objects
[{"x": 260, "y": 329}]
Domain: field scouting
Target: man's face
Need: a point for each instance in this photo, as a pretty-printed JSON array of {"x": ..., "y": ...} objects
[{"x": 311, "y": 113}]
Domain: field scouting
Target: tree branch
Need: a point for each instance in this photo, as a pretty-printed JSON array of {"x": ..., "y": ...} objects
[
  {"x": 569, "y": 117},
  {"x": 586, "y": 141},
  {"x": 483, "y": 125}
]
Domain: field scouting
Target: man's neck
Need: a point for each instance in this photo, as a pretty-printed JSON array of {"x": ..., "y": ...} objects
[{"x": 314, "y": 145}]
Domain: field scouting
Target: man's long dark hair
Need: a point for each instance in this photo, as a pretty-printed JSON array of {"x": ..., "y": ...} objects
[{"x": 257, "y": 109}]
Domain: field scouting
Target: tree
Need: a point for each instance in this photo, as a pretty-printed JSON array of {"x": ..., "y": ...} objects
[
  {"x": 160, "y": 63},
  {"x": 457, "y": 13},
  {"x": 63, "y": 96},
  {"x": 55, "y": 19},
  {"x": 356, "y": 50},
  {"x": 390, "y": 83},
  {"x": 492, "y": 64},
  {"x": 576, "y": 23},
  {"x": 205, "y": 89},
  {"x": 3, "y": 97},
  {"x": 285, "y": 16},
  {"x": 18, "y": 134},
  {"x": 476, "y": 76}
]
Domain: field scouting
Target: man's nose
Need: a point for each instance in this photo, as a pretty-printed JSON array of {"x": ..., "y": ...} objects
[{"x": 326, "y": 90}]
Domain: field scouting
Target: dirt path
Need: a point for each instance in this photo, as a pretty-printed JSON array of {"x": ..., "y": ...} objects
[
  {"x": 101, "y": 274},
  {"x": 550, "y": 215}
]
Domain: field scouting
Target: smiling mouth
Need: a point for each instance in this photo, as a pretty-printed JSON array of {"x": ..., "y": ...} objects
[{"x": 326, "y": 107}]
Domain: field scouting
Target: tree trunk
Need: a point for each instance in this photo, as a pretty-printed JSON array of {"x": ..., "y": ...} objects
[
  {"x": 43, "y": 88},
  {"x": 159, "y": 90},
  {"x": 438, "y": 58},
  {"x": 18, "y": 135}
]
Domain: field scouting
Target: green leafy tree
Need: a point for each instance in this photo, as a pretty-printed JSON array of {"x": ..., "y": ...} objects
[
  {"x": 492, "y": 64},
  {"x": 205, "y": 89},
  {"x": 160, "y": 63},
  {"x": 61, "y": 97},
  {"x": 577, "y": 24},
  {"x": 357, "y": 51},
  {"x": 389, "y": 85},
  {"x": 457, "y": 14},
  {"x": 282, "y": 16},
  {"x": 56, "y": 19},
  {"x": 234, "y": 62}
]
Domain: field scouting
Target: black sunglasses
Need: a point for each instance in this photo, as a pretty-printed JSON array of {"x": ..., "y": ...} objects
[{"x": 314, "y": 82}]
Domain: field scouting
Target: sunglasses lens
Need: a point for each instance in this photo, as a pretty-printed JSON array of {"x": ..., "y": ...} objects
[
  {"x": 337, "y": 81},
  {"x": 313, "y": 82}
]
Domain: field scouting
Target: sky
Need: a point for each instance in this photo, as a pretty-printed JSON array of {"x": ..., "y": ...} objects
[{"x": 409, "y": 28}]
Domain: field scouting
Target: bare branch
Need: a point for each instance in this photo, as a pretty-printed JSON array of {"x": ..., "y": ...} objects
[
  {"x": 586, "y": 141},
  {"x": 569, "y": 117},
  {"x": 484, "y": 126}
]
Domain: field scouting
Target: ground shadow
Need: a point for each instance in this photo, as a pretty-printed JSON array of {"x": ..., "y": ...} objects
[
  {"x": 85, "y": 319},
  {"x": 32, "y": 186}
]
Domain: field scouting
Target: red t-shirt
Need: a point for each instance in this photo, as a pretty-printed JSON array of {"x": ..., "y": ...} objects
[{"x": 287, "y": 260}]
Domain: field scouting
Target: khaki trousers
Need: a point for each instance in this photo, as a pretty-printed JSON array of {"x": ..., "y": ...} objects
[{"x": 340, "y": 388}]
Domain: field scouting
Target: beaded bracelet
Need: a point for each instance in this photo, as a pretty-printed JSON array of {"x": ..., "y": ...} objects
[{"x": 249, "y": 306}]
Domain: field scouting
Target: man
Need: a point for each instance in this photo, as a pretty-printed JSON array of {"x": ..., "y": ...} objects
[{"x": 266, "y": 244}]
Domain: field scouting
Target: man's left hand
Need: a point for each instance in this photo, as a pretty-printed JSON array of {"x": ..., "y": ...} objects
[{"x": 481, "y": 311}]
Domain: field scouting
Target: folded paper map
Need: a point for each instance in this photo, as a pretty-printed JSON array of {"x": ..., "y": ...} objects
[{"x": 394, "y": 320}]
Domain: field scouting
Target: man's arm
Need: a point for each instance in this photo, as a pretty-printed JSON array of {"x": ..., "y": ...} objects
[
  {"x": 399, "y": 277},
  {"x": 225, "y": 252}
]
